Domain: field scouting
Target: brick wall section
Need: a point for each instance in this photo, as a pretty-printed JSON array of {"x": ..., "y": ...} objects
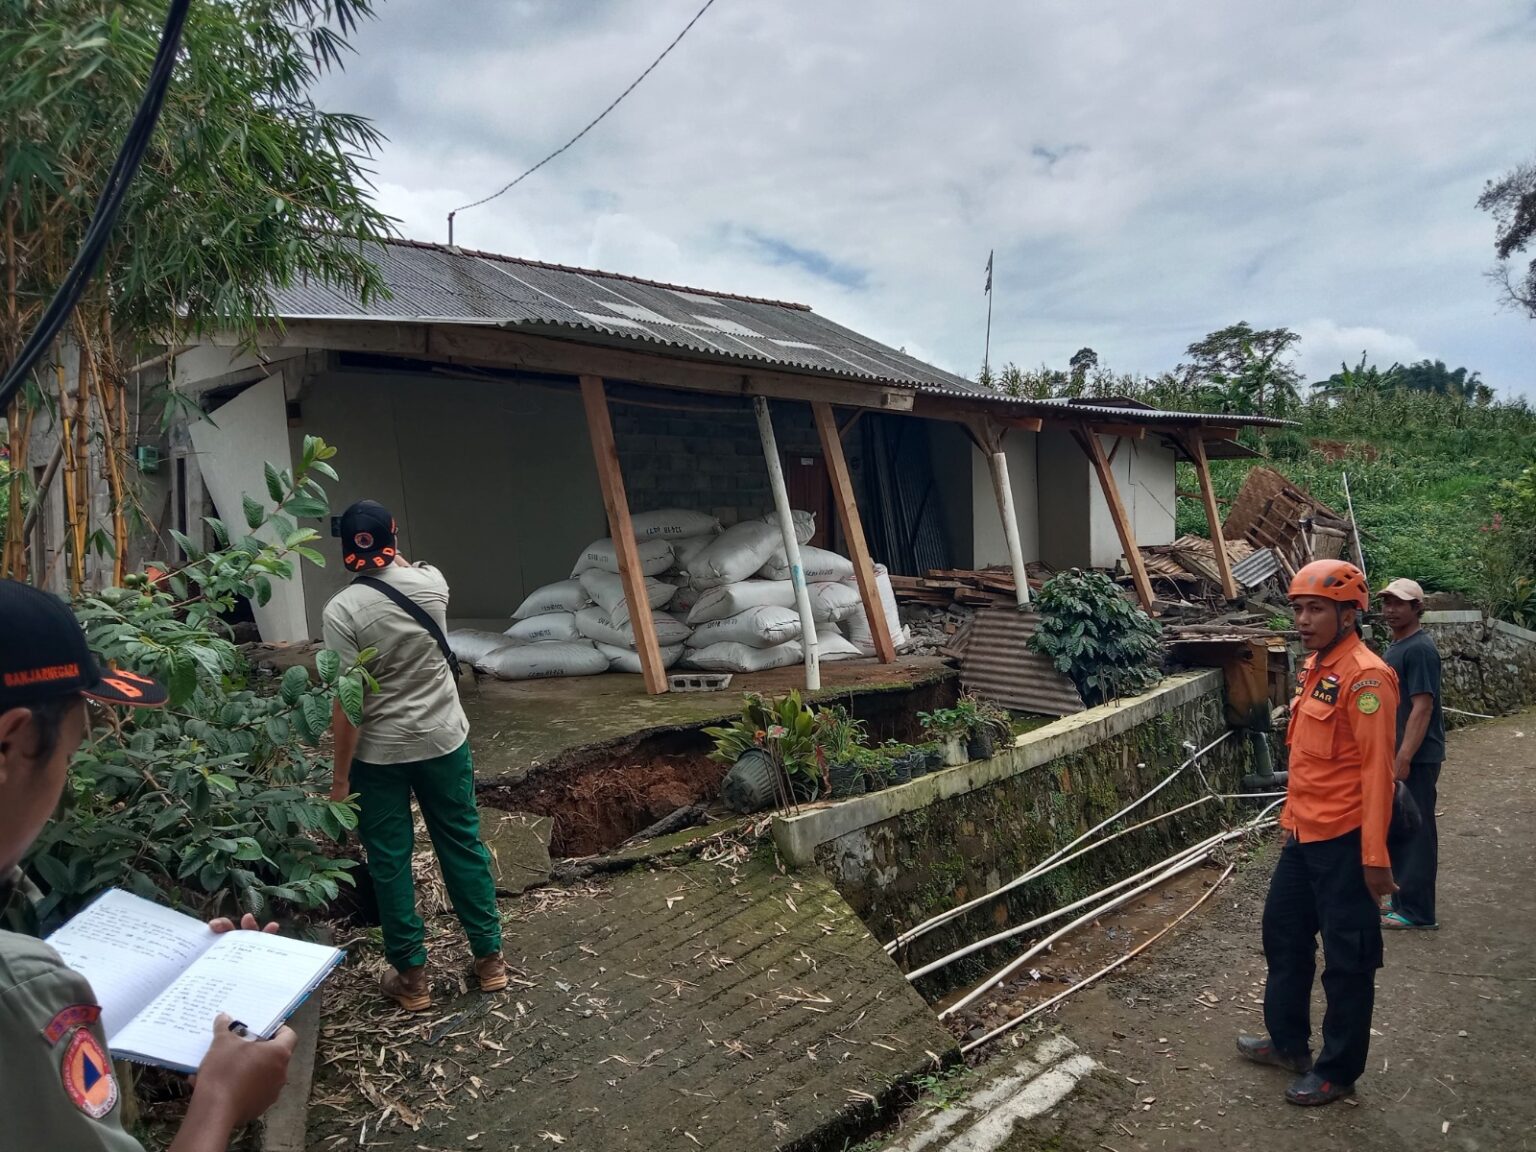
[{"x": 708, "y": 461}]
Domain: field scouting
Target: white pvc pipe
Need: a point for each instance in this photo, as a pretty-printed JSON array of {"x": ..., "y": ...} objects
[
  {"x": 791, "y": 543},
  {"x": 1043, "y": 866},
  {"x": 1181, "y": 866},
  {"x": 1004, "y": 490}
]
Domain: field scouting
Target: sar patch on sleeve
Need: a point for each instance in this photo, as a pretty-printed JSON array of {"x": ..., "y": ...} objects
[
  {"x": 1368, "y": 702},
  {"x": 75, "y": 1016},
  {"x": 86, "y": 1072},
  {"x": 1368, "y": 682}
]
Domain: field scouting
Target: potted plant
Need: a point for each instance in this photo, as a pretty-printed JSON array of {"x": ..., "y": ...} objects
[
  {"x": 950, "y": 728},
  {"x": 772, "y": 753},
  {"x": 986, "y": 725},
  {"x": 839, "y": 737},
  {"x": 898, "y": 761}
]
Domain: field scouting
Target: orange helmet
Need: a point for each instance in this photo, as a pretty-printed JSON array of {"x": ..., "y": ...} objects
[{"x": 1332, "y": 580}]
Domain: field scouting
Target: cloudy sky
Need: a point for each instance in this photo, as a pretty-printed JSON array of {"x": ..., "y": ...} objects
[{"x": 1146, "y": 172}]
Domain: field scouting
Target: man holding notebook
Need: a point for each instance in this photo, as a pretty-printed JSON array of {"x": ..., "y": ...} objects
[
  {"x": 57, "y": 1088},
  {"x": 414, "y": 739}
]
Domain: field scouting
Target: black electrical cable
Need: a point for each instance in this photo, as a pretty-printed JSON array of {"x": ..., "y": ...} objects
[{"x": 107, "y": 207}]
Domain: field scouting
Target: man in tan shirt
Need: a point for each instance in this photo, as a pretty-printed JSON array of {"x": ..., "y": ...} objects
[{"x": 414, "y": 739}]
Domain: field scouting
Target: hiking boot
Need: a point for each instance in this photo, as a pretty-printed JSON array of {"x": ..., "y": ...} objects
[
  {"x": 408, "y": 988},
  {"x": 1262, "y": 1050},
  {"x": 491, "y": 971},
  {"x": 1312, "y": 1090}
]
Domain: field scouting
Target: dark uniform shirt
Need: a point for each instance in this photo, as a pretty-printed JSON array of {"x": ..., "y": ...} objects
[
  {"x": 58, "y": 1092},
  {"x": 1416, "y": 661}
]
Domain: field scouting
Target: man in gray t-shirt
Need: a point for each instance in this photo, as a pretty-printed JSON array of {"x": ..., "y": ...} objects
[
  {"x": 1420, "y": 751},
  {"x": 414, "y": 739}
]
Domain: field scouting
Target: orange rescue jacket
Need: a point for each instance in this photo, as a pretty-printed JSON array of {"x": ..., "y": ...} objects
[{"x": 1341, "y": 739}]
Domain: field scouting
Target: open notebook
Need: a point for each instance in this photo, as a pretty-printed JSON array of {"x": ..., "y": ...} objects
[{"x": 161, "y": 977}]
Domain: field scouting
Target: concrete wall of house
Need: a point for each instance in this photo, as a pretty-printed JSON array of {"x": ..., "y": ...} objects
[
  {"x": 1144, "y": 472},
  {"x": 991, "y": 547},
  {"x": 709, "y": 459},
  {"x": 1065, "y": 484},
  {"x": 492, "y": 482},
  {"x": 1076, "y": 528}
]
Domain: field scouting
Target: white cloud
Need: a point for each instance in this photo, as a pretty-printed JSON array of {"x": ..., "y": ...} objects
[
  {"x": 1147, "y": 173},
  {"x": 1325, "y": 345}
]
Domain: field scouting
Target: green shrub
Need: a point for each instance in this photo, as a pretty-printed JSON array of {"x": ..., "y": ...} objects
[
  {"x": 218, "y": 801},
  {"x": 1091, "y": 632}
]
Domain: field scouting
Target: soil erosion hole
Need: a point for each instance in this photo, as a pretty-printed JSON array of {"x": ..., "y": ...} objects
[{"x": 601, "y": 795}]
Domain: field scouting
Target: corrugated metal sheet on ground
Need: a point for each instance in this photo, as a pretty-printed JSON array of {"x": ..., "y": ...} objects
[
  {"x": 1000, "y": 665},
  {"x": 1255, "y": 568}
]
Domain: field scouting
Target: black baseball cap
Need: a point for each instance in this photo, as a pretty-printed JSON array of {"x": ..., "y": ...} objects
[
  {"x": 44, "y": 655},
  {"x": 367, "y": 536}
]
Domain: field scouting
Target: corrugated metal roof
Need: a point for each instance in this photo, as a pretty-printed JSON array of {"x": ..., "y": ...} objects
[
  {"x": 1000, "y": 665},
  {"x": 432, "y": 283}
]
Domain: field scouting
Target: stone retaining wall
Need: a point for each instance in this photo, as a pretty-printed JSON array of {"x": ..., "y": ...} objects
[
  {"x": 904, "y": 854},
  {"x": 1488, "y": 666}
]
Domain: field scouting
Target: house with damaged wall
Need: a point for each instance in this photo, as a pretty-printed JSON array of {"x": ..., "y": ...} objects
[{"x": 471, "y": 401}]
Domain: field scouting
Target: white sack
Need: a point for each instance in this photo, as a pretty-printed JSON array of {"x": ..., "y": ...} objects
[
  {"x": 561, "y": 596},
  {"x": 761, "y": 627},
  {"x": 805, "y": 524},
  {"x": 673, "y": 524},
  {"x": 729, "y": 599},
  {"x": 816, "y": 563},
  {"x": 743, "y": 657},
  {"x": 734, "y": 555},
  {"x": 833, "y": 645},
  {"x": 628, "y": 660},
  {"x": 684, "y": 599},
  {"x": 684, "y": 552},
  {"x": 543, "y": 661},
  {"x": 595, "y": 624},
  {"x": 607, "y": 592},
  {"x": 470, "y": 644},
  {"x": 833, "y": 602},
  {"x": 858, "y": 624},
  {"x": 655, "y": 557},
  {"x": 540, "y": 629}
]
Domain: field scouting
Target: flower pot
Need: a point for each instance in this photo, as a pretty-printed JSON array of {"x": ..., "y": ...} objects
[
  {"x": 804, "y": 788},
  {"x": 933, "y": 758},
  {"x": 917, "y": 763},
  {"x": 898, "y": 770},
  {"x": 953, "y": 750},
  {"x": 981, "y": 745},
  {"x": 846, "y": 780},
  {"x": 748, "y": 786}
]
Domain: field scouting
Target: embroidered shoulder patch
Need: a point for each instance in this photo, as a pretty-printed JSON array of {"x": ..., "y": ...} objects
[
  {"x": 86, "y": 1073},
  {"x": 1368, "y": 682},
  {"x": 1368, "y": 702},
  {"x": 75, "y": 1016}
]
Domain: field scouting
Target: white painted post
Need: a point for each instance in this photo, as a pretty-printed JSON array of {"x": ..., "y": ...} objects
[
  {"x": 1004, "y": 492},
  {"x": 791, "y": 543}
]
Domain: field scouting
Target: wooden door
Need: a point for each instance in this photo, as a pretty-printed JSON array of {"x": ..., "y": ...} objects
[{"x": 810, "y": 490}]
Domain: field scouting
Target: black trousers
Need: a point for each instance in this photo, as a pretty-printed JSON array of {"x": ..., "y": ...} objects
[
  {"x": 1416, "y": 862},
  {"x": 1319, "y": 888}
]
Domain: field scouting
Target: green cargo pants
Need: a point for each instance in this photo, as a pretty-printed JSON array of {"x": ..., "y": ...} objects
[{"x": 445, "y": 790}]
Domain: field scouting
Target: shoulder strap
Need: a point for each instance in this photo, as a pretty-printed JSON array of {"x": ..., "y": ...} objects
[{"x": 418, "y": 614}]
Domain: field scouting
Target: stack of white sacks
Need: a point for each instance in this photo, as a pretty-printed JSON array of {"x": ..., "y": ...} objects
[{"x": 720, "y": 601}]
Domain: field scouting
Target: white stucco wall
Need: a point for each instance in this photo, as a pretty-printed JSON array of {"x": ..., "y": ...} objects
[
  {"x": 494, "y": 483},
  {"x": 989, "y": 546},
  {"x": 1144, "y": 473}
]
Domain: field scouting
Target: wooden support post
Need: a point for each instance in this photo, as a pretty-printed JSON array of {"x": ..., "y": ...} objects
[
  {"x": 1194, "y": 448},
  {"x": 989, "y": 438},
  {"x": 595, "y": 400},
  {"x": 1088, "y": 440},
  {"x": 791, "y": 543},
  {"x": 853, "y": 529}
]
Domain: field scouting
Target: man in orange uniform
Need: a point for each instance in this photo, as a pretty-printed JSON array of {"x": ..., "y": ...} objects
[{"x": 1334, "y": 870}]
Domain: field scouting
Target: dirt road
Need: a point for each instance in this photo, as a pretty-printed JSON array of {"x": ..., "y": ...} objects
[{"x": 1455, "y": 1009}]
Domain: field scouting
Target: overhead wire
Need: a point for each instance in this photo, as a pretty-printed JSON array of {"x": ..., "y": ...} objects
[
  {"x": 108, "y": 206},
  {"x": 593, "y": 124}
]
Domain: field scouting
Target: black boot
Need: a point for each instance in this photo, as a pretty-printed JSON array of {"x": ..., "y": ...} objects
[
  {"x": 1312, "y": 1090},
  {"x": 1262, "y": 1050}
]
